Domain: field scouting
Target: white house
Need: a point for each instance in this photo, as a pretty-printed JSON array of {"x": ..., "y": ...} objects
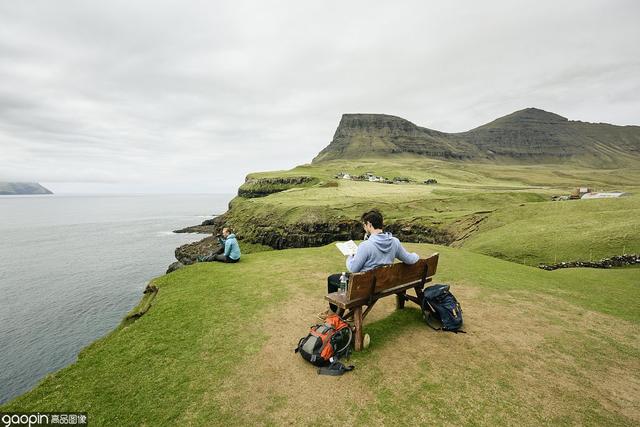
[{"x": 608, "y": 195}]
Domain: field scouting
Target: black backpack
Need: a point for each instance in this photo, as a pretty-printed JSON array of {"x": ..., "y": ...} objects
[{"x": 439, "y": 304}]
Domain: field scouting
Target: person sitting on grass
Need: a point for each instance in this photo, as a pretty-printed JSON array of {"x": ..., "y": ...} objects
[
  {"x": 378, "y": 249},
  {"x": 229, "y": 250}
]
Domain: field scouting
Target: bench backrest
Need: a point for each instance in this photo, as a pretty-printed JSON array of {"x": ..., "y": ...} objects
[{"x": 386, "y": 277}]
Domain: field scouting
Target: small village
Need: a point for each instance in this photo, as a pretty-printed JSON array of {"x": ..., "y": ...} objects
[
  {"x": 588, "y": 193},
  {"x": 372, "y": 177}
]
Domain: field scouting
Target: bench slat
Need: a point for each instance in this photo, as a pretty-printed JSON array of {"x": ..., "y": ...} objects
[
  {"x": 360, "y": 285},
  {"x": 392, "y": 275},
  {"x": 343, "y": 302}
]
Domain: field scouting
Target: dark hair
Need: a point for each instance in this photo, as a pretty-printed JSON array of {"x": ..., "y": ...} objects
[
  {"x": 374, "y": 217},
  {"x": 229, "y": 229}
]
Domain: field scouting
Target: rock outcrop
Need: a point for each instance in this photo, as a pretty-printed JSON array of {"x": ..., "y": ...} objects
[
  {"x": 149, "y": 295},
  {"x": 174, "y": 266},
  {"x": 188, "y": 254},
  {"x": 260, "y": 187},
  {"x": 303, "y": 235}
]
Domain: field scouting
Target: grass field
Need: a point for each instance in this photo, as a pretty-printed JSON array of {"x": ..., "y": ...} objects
[
  {"x": 216, "y": 348},
  {"x": 520, "y": 223},
  {"x": 551, "y": 232}
]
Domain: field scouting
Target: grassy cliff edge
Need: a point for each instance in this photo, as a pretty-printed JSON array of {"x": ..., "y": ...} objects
[
  {"x": 207, "y": 351},
  {"x": 503, "y": 211}
]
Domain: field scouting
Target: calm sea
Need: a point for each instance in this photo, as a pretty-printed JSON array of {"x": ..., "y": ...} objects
[{"x": 72, "y": 266}]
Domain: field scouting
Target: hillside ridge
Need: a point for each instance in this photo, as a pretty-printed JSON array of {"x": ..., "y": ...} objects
[{"x": 527, "y": 136}]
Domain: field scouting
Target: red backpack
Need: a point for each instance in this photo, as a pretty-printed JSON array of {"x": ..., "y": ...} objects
[{"x": 326, "y": 342}]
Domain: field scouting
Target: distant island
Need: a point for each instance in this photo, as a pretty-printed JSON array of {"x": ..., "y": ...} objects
[{"x": 19, "y": 188}]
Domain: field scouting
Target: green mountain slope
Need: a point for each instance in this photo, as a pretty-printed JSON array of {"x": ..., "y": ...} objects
[{"x": 529, "y": 136}]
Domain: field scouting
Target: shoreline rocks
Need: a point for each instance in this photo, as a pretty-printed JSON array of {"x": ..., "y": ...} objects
[
  {"x": 174, "y": 266},
  {"x": 188, "y": 254}
]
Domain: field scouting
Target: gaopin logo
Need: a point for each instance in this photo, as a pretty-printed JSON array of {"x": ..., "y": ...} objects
[{"x": 9, "y": 420}]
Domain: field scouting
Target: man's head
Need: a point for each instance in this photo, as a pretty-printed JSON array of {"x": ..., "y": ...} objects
[
  {"x": 372, "y": 220},
  {"x": 226, "y": 231}
]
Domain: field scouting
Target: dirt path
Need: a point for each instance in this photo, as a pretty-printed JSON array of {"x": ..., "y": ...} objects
[{"x": 538, "y": 359}]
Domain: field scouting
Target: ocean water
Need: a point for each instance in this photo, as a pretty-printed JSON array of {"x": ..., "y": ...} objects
[{"x": 71, "y": 267}]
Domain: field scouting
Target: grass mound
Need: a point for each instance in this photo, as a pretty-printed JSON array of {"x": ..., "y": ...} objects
[
  {"x": 216, "y": 348},
  {"x": 551, "y": 232}
]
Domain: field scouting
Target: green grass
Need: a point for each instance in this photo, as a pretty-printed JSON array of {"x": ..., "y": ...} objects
[
  {"x": 552, "y": 232},
  {"x": 521, "y": 223},
  {"x": 216, "y": 348}
]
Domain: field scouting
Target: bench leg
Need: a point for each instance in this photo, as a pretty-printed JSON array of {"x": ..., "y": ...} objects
[
  {"x": 357, "y": 317},
  {"x": 400, "y": 299}
]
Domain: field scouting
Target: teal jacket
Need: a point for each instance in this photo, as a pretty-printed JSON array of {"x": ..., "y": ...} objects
[{"x": 231, "y": 247}]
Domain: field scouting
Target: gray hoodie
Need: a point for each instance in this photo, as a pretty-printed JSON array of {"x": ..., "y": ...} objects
[{"x": 380, "y": 249}]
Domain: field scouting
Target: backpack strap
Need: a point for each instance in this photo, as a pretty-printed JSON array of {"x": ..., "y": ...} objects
[
  {"x": 429, "y": 323},
  {"x": 459, "y": 331},
  {"x": 336, "y": 368},
  {"x": 297, "y": 349}
]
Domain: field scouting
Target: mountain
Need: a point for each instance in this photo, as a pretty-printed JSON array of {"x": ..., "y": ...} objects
[
  {"x": 526, "y": 136},
  {"x": 12, "y": 188}
]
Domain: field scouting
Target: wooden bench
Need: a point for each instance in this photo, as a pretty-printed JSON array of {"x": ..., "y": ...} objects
[{"x": 368, "y": 287}]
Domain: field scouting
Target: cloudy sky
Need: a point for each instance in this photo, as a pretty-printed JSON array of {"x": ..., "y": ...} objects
[{"x": 190, "y": 96}]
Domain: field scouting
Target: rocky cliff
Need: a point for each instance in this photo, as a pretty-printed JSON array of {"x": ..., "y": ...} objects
[
  {"x": 260, "y": 187},
  {"x": 527, "y": 136},
  {"x": 364, "y": 135},
  {"x": 269, "y": 231}
]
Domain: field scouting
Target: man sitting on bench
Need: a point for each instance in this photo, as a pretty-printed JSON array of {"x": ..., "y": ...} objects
[{"x": 378, "y": 249}]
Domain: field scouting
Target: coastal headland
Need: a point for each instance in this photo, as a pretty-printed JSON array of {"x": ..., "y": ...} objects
[{"x": 493, "y": 199}]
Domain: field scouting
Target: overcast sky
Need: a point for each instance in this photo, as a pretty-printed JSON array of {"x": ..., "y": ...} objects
[{"x": 190, "y": 96}]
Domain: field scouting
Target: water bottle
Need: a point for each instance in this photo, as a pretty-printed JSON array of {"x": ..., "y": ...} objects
[{"x": 343, "y": 283}]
